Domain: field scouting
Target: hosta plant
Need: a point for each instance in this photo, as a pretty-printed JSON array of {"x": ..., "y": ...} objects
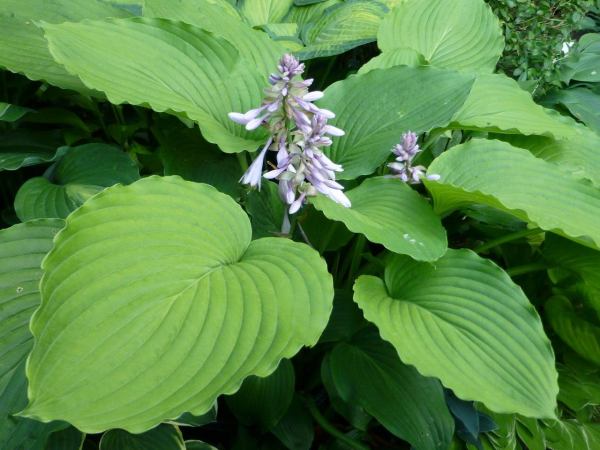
[{"x": 289, "y": 225}]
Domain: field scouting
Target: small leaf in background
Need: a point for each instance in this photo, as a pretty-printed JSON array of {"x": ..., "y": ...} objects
[
  {"x": 68, "y": 439},
  {"x": 401, "y": 56},
  {"x": 295, "y": 429},
  {"x": 463, "y": 320},
  {"x": 189, "y": 420},
  {"x": 582, "y": 103},
  {"x": 324, "y": 234},
  {"x": 582, "y": 64},
  {"x": 368, "y": 372},
  {"x": 345, "y": 320},
  {"x": 264, "y": 401},
  {"x": 266, "y": 211},
  {"x": 342, "y": 27},
  {"x": 12, "y": 113},
  {"x": 508, "y": 178},
  {"x": 457, "y": 34},
  {"x": 191, "y": 306},
  {"x": 374, "y": 110},
  {"x": 198, "y": 445},
  {"x": 579, "y": 387},
  {"x": 581, "y": 333},
  {"x": 163, "y": 437},
  {"x": 81, "y": 172},
  {"x": 19, "y": 148},
  {"x": 389, "y": 212},
  {"x": 572, "y": 435}
]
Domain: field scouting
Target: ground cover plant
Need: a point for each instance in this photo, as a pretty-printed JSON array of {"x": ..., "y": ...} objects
[{"x": 305, "y": 224}]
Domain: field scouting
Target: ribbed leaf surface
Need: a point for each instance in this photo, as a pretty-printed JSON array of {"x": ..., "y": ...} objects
[
  {"x": 261, "y": 12},
  {"x": 81, "y": 173},
  {"x": 458, "y": 34},
  {"x": 168, "y": 66},
  {"x": 147, "y": 319},
  {"x": 496, "y": 174},
  {"x": 462, "y": 320},
  {"x": 388, "y": 212},
  {"x": 374, "y": 110}
]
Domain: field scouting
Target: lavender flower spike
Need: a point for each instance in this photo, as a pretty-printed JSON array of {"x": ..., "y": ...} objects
[
  {"x": 299, "y": 132},
  {"x": 402, "y": 167}
]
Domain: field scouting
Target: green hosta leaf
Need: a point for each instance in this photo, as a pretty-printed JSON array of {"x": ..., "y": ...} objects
[
  {"x": 261, "y": 12},
  {"x": 367, "y": 371},
  {"x": 496, "y": 174},
  {"x": 346, "y": 319},
  {"x": 223, "y": 20},
  {"x": 21, "y": 148},
  {"x": 582, "y": 335},
  {"x": 572, "y": 435},
  {"x": 146, "y": 309},
  {"x": 263, "y": 401},
  {"x": 402, "y": 56},
  {"x": 189, "y": 420},
  {"x": 497, "y": 103},
  {"x": 295, "y": 429},
  {"x": 82, "y": 172},
  {"x": 163, "y": 437},
  {"x": 57, "y": 11},
  {"x": 463, "y": 320},
  {"x": 458, "y": 34},
  {"x": 22, "y": 248},
  {"x": 374, "y": 110},
  {"x": 68, "y": 439},
  {"x": 342, "y": 27},
  {"x": 12, "y": 113},
  {"x": 578, "y": 388},
  {"x": 582, "y": 103},
  {"x": 389, "y": 212},
  {"x": 266, "y": 211},
  {"x": 198, "y": 445},
  {"x": 203, "y": 76},
  {"x": 307, "y": 13}
]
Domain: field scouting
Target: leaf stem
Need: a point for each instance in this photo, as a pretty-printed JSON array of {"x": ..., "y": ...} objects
[
  {"x": 242, "y": 160},
  {"x": 507, "y": 238},
  {"x": 329, "y": 428},
  {"x": 527, "y": 268}
]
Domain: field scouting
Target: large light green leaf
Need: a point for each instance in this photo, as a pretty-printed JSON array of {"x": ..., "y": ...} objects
[
  {"x": 582, "y": 335},
  {"x": 163, "y": 437},
  {"x": 458, "y": 34},
  {"x": 223, "y": 20},
  {"x": 261, "y": 12},
  {"x": 368, "y": 372},
  {"x": 21, "y": 148},
  {"x": 387, "y": 211},
  {"x": 496, "y": 174},
  {"x": 374, "y": 110},
  {"x": 24, "y": 49},
  {"x": 497, "y": 103},
  {"x": 307, "y": 13},
  {"x": 147, "y": 319},
  {"x": 342, "y": 27},
  {"x": 22, "y": 248},
  {"x": 168, "y": 66},
  {"x": 461, "y": 319},
  {"x": 82, "y": 172}
]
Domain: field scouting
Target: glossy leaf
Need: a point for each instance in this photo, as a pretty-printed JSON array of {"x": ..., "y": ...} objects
[
  {"x": 205, "y": 81},
  {"x": 457, "y": 34},
  {"x": 497, "y": 104},
  {"x": 182, "y": 288},
  {"x": 496, "y": 174},
  {"x": 374, "y": 110},
  {"x": 389, "y": 212},
  {"x": 367, "y": 371},
  {"x": 163, "y": 437},
  {"x": 582, "y": 335},
  {"x": 342, "y": 27},
  {"x": 463, "y": 320},
  {"x": 82, "y": 172}
]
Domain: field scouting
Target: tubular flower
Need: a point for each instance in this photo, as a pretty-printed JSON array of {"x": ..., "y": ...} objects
[
  {"x": 299, "y": 131},
  {"x": 402, "y": 166}
]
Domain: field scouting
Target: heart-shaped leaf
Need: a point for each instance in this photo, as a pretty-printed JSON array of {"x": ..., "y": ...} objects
[
  {"x": 461, "y": 319},
  {"x": 496, "y": 174},
  {"x": 388, "y": 212},
  {"x": 374, "y": 110},
  {"x": 458, "y": 34},
  {"x": 147, "y": 319},
  {"x": 82, "y": 172}
]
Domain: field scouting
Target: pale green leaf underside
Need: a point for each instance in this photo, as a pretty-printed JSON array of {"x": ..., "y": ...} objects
[
  {"x": 582, "y": 336},
  {"x": 163, "y": 437},
  {"x": 341, "y": 28},
  {"x": 147, "y": 319},
  {"x": 168, "y": 66},
  {"x": 457, "y": 34},
  {"x": 388, "y": 212},
  {"x": 368, "y": 372},
  {"x": 374, "y": 110},
  {"x": 462, "y": 320},
  {"x": 497, "y": 103},
  {"x": 82, "y": 172},
  {"x": 496, "y": 174}
]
